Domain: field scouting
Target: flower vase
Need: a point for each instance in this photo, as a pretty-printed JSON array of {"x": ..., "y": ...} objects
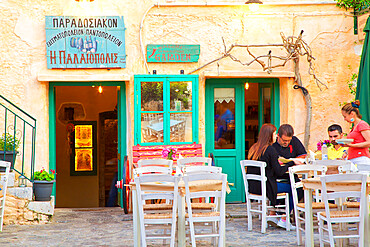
[{"x": 42, "y": 190}]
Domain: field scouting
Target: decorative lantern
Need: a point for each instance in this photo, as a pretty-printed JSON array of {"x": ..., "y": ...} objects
[{"x": 22, "y": 181}]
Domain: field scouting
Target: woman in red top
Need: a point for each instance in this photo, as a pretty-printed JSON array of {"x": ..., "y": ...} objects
[{"x": 358, "y": 151}]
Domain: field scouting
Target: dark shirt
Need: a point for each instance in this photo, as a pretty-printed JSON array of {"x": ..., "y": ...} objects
[
  {"x": 273, "y": 170},
  {"x": 293, "y": 150}
]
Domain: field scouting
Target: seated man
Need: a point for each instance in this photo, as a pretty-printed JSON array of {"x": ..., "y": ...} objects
[
  {"x": 335, "y": 151},
  {"x": 288, "y": 146}
]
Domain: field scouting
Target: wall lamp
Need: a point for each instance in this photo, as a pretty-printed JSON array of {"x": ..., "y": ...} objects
[{"x": 253, "y": 4}]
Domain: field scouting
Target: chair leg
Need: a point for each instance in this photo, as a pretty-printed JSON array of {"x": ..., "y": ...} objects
[
  {"x": 249, "y": 215},
  {"x": 287, "y": 212},
  {"x": 298, "y": 226},
  {"x": 264, "y": 217},
  {"x": 321, "y": 231}
]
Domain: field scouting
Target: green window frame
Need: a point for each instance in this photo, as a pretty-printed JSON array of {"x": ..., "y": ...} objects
[{"x": 166, "y": 112}]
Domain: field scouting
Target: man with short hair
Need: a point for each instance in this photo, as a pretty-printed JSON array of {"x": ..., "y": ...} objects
[
  {"x": 335, "y": 151},
  {"x": 287, "y": 145}
]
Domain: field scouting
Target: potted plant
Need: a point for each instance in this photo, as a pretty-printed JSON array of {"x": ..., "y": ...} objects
[
  {"x": 43, "y": 184},
  {"x": 9, "y": 145}
]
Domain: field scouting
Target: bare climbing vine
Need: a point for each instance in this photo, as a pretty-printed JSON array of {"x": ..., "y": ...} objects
[{"x": 295, "y": 48}]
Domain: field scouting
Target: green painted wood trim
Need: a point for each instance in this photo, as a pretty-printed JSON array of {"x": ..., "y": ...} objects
[
  {"x": 121, "y": 119},
  {"x": 166, "y": 79},
  {"x": 52, "y": 133},
  {"x": 122, "y": 135}
]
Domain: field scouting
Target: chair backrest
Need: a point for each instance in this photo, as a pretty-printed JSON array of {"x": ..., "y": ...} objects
[
  {"x": 349, "y": 167},
  {"x": 258, "y": 177},
  {"x": 194, "y": 161},
  {"x": 209, "y": 192},
  {"x": 152, "y": 170},
  {"x": 155, "y": 162},
  {"x": 143, "y": 192},
  {"x": 328, "y": 192},
  {"x": 202, "y": 169},
  {"x": 304, "y": 170},
  {"x": 4, "y": 178},
  {"x": 156, "y": 192}
]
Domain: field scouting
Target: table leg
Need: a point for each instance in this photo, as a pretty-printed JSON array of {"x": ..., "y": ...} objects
[
  {"x": 135, "y": 219},
  {"x": 308, "y": 218},
  {"x": 181, "y": 222}
]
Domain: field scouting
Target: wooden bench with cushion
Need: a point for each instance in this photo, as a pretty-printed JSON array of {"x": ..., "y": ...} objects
[{"x": 155, "y": 152}]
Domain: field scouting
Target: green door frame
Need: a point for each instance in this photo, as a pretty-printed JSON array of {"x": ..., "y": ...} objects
[
  {"x": 121, "y": 108},
  {"x": 272, "y": 83}
]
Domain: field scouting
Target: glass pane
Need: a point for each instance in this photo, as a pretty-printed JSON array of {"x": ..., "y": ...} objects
[
  {"x": 267, "y": 105},
  {"x": 152, "y": 96},
  {"x": 224, "y": 110},
  {"x": 151, "y": 127},
  {"x": 181, "y": 96},
  {"x": 181, "y": 127}
]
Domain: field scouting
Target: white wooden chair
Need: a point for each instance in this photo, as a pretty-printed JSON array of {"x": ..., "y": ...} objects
[
  {"x": 347, "y": 168},
  {"x": 202, "y": 169},
  {"x": 299, "y": 208},
  {"x": 262, "y": 199},
  {"x": 338, "y": 218},
  {"x": 217, "y": 217},
  {"x": 146, "y": 218},
  {"x": 194, "y": 161},
  {"x": 154, "y": 170},
  {"x": 156, "y": 162},
  {"x": 189, "y": 170},
  {"x": 3, "y": 185}
]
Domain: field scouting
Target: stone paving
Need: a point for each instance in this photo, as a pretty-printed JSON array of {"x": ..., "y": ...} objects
[{"x": 111, "y": 227}]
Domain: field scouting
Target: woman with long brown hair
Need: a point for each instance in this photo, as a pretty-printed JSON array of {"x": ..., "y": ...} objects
[
  {"x": 358, "y": 151},
  {"x": 262, "y": 150}
]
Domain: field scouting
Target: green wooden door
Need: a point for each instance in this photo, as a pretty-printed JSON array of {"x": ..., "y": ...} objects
[
  {"x": 224, "y": 129},
  {"x": 233, "y": 118}
]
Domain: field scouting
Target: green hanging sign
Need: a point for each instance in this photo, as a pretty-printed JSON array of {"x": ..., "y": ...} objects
[{"x": 172, "y": 53}]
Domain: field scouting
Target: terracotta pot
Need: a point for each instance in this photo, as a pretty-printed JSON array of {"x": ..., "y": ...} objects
[{"x": 42, "y": 190}]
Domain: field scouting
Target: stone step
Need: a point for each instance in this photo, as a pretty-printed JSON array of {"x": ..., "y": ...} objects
[{"x": 21, "y": 192}]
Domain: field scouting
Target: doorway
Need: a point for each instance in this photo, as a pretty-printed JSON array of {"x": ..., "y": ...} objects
[
  {"x": 87, "y": 124},
  {"x": 236, "y": 108}
]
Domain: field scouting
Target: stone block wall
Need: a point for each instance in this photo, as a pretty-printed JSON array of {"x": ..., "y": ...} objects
[{"x": 17, "y": 212}]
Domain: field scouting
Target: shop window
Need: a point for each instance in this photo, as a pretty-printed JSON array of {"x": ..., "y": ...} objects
[{"x": 166, "y": 109}]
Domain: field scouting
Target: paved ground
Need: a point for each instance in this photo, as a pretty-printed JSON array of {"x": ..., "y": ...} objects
[{"x": 111, "y": 227}]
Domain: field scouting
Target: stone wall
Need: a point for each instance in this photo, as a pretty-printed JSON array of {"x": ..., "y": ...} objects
[{"x": 17, "y": 211}]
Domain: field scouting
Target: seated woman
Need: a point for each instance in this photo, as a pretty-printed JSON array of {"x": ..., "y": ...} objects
[{"x": 262, "y": 150}]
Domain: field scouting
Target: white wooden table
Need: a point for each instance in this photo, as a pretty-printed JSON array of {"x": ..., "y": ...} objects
[{"x": 311, "y": 184}]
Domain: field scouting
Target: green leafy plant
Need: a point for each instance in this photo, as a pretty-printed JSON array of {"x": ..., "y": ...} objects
[
  {"x": 9, "y": 142},
  {"x": 352, "y": 85},
  {"x": 43, "y": 175},
  {"x": 353, "y": 4}
]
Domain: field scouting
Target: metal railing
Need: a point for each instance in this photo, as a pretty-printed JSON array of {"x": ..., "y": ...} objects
[{"x": 17, "y": 138}]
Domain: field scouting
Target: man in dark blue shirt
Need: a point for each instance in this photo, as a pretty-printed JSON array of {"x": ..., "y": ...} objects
[{"x": 287, "y": 145}]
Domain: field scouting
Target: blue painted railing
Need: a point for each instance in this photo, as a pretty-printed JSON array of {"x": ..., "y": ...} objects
[{"x": 17, "y": 138}]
